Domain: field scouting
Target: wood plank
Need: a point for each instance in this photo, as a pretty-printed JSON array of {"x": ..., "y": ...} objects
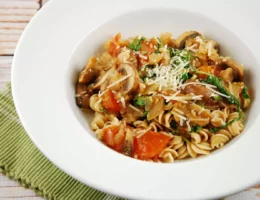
[
  {"x": 11, "y": 31},
  {"x": 8, "y": 45},
  {"x": 7, "y": 51},
  {"x": 44, "y": 1},
  {"x": 6, "y": 192},
  {"x": 5, "y": 77},
  {"x": 9, "y": 38},
  {"x": 15, "y": 18},
  {"x": 12, "y": 25},
  {"x": 19, "y": 4},
  {"x": 22, "y": 198},
  {"x": 18, "y": 11},
  {"x": 5, "y": 181}
]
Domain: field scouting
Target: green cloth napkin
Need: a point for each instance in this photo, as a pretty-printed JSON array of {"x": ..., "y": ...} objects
[{"x": 22, "y": 161}]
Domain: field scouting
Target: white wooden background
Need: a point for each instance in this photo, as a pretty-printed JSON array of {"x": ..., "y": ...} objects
[{"x": 14, "y": 16}]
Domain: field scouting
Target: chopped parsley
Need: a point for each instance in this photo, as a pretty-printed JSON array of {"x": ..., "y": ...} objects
[
  {"x": 177, "y": 55},
  {"x": 195, "y": 129},
  {"x": 136, "y": 44},
  {"x": 217, "y": 82},
  {"x": 217, "y": 98},
  {"x": 173, "y": 124},
  {"x": 214, "y": 130},
  {"x": 158, "y": 46},
  {"x": 145, "y": 114},
  {"x": 139, "y": 101},
  {"x": 245, "y": 93},
  {"x": 186, "y": 76},
  {"x": 104, "y": 110}
]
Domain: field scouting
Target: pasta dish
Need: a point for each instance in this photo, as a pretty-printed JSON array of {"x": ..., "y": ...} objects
[{"x": 162, "y": 99}]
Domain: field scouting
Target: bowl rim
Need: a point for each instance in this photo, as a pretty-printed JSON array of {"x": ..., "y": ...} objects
[{"x": 45, "y": 151}]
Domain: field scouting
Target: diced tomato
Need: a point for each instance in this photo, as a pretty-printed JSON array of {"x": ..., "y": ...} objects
[
  {"x": 212, "y": 69},
  {"x": 206, "y": 69},
  {"x": 150, "y": 145},
  {"x": 147, "y": 47},
  {"x": 113, "y": 138},
  {"x": 218, "y": 69},
  {"x": 114, "y": 44},
  {"x": 110, "y": 103}
]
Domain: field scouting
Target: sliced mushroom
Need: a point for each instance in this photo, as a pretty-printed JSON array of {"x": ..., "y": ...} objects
[
  {"x": 238, "y": 69},
  {"x": 88, "y": 75},
  {"x": 82, "y": 97},
  {"x": 90, "y": 72},
  {"x": 131, "y": 84},
  {"x": 128, "y": 145},
  {"x": 214, "y": 45},
  {"x": 181, "y": 40},
  {"x": 199, "y": 90},
  {"x": 236, "y": 88},
  {"x": 106, "y": 76},
  {"x": 227, "y": 75}
]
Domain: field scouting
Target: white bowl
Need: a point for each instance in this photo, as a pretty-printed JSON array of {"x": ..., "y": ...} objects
[{"x": 43, "y": 82}]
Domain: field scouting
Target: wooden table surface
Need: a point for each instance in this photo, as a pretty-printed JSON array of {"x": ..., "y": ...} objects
[{"x": 14, "y": 16}]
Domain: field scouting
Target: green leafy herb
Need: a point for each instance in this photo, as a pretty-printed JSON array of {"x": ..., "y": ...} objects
[
  {"x": 217, "y": 82},
  {"x": 145, "y": 114},
  {"x": 245, "y": 93},
  {"x": 185, "y": 139},
  {"x": 144, "y": 52},
  {"x": 139, "y": 101},
  {"x": 136, "y": 44},
  {"x": 104, "y": 110},
  {"x": 183, "y": 54},
  {"x": 173, "y": 125},
  {"x": 217, "y": 98},
  {"x": 195, "y": 129},
  {"x": 186, "y": 76},
  {"x": 158, "y": 46},
  {"x": 214, "y": 130}
]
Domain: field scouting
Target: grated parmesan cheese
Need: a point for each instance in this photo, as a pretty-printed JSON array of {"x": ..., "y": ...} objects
[
  {"x": 178, "y": 115},
  {"x": 134, "y": 108},
  {"x": 118, "y": 81},
  {"x": 100, "y": 94},
  {"x": 216, "y": 92},
  {"x": 179, "y": 111},
  {"x": 123, "y": 101},
  {"x": 181, "y": 98},
  {"x": 209, "y": 48},
  {"x": 188, "y": 125},
  {"x": 191, "y": 48},
  {"x": 141, "y": 56},
  {"x": 198, "y": 83}
]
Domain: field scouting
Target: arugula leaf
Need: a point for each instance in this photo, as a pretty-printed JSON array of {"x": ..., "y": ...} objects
[
  {"x": 217, "y": 82},
  {"x": 217, "y": 98},
  {"x": 136, "y": 44},
  {"x": 158, "y": 46},
  {"x": 139, "y": 101},
  {"x": 185, "y": 139},
  {"x": 173, "y": 124},
  {"x": 183, "y": 54},
  {"x": 245, "y": 93},
  {"x": 104, "y": 110},
  {"x": 195, "y": 129},
  {"x": 186, "y": 76},
  {"x": 214, "y": 130},
  {"x": 145, "y": 114}
]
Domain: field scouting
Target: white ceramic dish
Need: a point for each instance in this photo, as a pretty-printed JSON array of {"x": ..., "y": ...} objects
[{"x": 44, "y": 71}]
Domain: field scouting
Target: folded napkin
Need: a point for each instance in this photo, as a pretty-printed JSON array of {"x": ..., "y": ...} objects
[{"x": 23, "y": 162}]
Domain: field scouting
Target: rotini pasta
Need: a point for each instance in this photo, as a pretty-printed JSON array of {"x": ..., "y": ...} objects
[
  {"x": 237, "y": 126},
  {"x": 163, "y": 99}
]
